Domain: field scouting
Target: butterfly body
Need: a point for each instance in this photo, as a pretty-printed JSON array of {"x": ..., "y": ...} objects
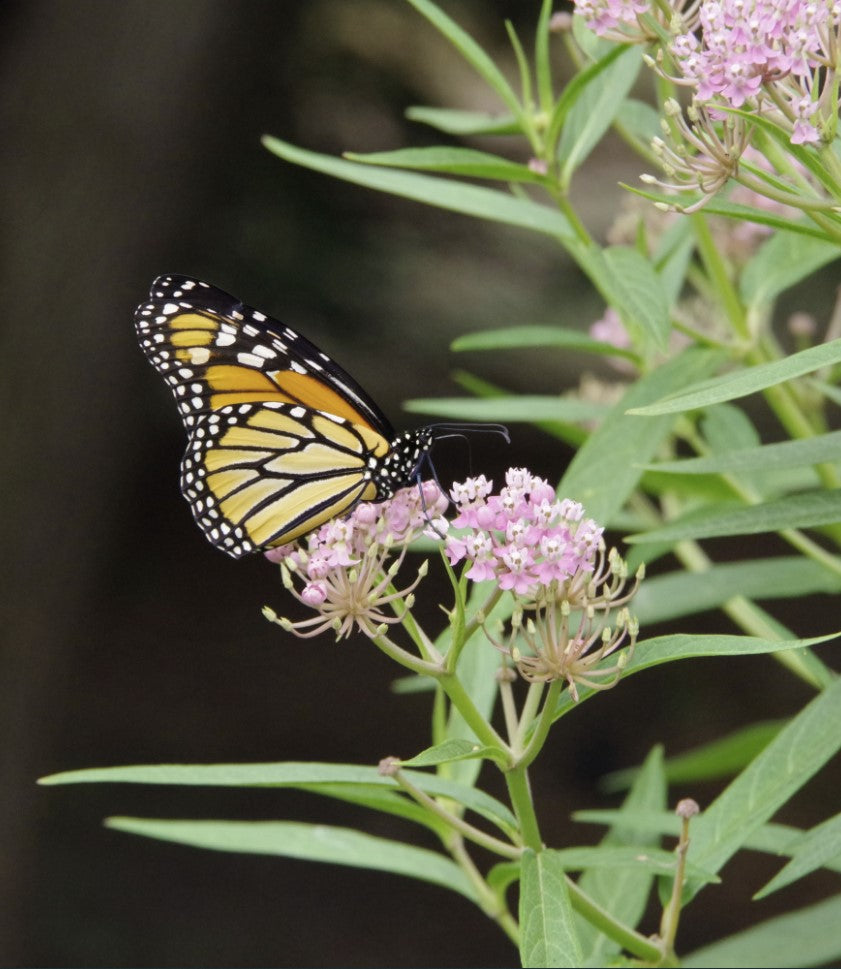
[{"x": 281, "y": 439}]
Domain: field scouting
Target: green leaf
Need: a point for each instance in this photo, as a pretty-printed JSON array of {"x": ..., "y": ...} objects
[
  {"x": 451, "y": 750},
  {"x": 542, "y": 57},
  {"x": 471, "y": 52},
  {"x": 749, "y": 380},
  {"x": 477, "y": 667},
  {"x": 644, "y": 307},
  {"x": 774, "y": 839},
  {"x": 809, "y": 510},
  {"x": 667, "y": 649},
  {"x": 795, "y": 755},
  {"x": 810, "y": 936},
  {"x": 785, "y": 259},
  {"x": 474, "y": 200},
  {"x": 311, "y": 842},
  {"x": 573, "y": 434},
  {"x": 590, "y": 43},
  {"x": 640, "y": 119},
  {"x": 575, "y": 88},
  {"x": 547, "y": 925},
  {"x": 819, "y": 846},
  {"x": 768, "y": 457},
  {"x": 595, "y": 108},
  {"x": 454, "y": 122},
  {"x": 456, "y": 161},
  {"x": 734, "y": 210},
  {"x": 520, "y": 337},
  {"x": 672, "y": 256},
  {"x": 523, "y": 408},
  {"x": 676, "y": 594},
  {"x": 723, "y": 757},
  {"x": 384, "y": 800},
  {"x": 305, "y": 776},
  {"x": 607, "y": 467},
  {"x": 624, "y": 892},
  {"x": 655, "y": 861},
  {"x": 805, "y": 154}
]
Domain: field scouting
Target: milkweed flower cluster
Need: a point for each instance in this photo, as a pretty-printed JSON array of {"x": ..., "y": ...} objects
[
  {"x": 347, "y": 567},
  {"x": 569, "y": 593},
  {"x": 777, "y": 58},
  {"x": 783, "y": 46},
  {"x": 553, "y": 560}
]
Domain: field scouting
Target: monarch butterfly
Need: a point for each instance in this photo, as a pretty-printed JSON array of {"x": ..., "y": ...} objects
[{"x": 281, "y": 439}]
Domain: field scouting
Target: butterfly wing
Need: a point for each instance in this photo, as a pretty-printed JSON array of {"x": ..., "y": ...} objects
[
  {"x": 213, "y": 351},
  {"x": 281, "y": 438},
  {"x": 261, "y": 475}
]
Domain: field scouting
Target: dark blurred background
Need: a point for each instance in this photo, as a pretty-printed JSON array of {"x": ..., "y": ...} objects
[{"x": 130, "y": 136}]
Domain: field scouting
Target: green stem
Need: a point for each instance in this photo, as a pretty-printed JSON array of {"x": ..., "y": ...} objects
[
  {"x": 509, "y": 709},
  {"x": 461, "y": 700},
  {"x": 528, "y": 714},
  {"x": 405, "y": 658},
  {"x": 519, "y": 791},
  {"x": 488, "y": 841},
  {"x": 717, "y": 270},
  {"x": 635, "y": 943},
  {"x": 491, "y": 904},
  {"x": 482, "y": 613},
  {"x": 541, "y": 732}
]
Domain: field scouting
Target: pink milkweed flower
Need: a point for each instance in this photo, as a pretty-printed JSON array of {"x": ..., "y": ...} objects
[
  {"x": 347, "y": 567},
  {"x": 551, "y": 557}
]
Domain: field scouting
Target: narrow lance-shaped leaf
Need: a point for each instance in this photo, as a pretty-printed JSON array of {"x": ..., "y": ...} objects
[
  {"x": 295, "y": 774},
  {"x": 454, "y": 160},
  {"x": 734, "y": 210},
  {"x": 740, "y": 383},
  {"x": 594, "y": 110},
  {"x": 547, "y": 925},
  {"x": 525, "y": 408},
  {"x": 471, "y": 52},
  {"x": 667, "y": 649},
  {"x": 768, "y": 457},
  {"x": 455, "y": 122},
  {"x": 312, "y": 842},
  {"x": 811, "y": 510},
  {"x": 810, "y": 936},
  {"x": 816, "y": 848},
  {"x": 643, "y": 306},
  {"x": 534, "y": 335},
  {"x": 474, "y": 200},
  {"x": 624, "y": 892},
  {"x": 722, "y": 757},
  {"x": 676, "y": 594},
  {"x": 606, "y": 469},
  {"x": 783, "y": 767},
  {"x": 784, "y": 260}
]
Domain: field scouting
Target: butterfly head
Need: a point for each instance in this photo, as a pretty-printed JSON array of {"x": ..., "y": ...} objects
[{"x": 408, "y": 452}]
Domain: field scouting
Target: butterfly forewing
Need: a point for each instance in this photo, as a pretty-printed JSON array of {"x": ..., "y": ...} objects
[{"x": 215, "y": 351}]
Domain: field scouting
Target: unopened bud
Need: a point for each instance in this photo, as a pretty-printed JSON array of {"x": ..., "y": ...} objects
[{"x": 687, "y": 808}]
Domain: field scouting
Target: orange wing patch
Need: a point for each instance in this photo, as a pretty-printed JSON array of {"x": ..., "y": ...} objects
[{"x": 305, "y": 389}]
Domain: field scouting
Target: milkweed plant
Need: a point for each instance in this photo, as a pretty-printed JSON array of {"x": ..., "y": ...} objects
[{"x": 730, "y": 110}]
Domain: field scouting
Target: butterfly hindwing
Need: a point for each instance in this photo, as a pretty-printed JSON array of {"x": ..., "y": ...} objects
[
  {"x": 215, "y": 351},
  {"x": 259, "y": 475}
]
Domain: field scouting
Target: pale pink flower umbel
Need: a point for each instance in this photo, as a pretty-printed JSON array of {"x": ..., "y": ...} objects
[
  {"x": 767, "y": 54},
  {"x": 552, "y": 559},
  {"x": 347, "y": 567},
  {"x": 523, "y": 537}
]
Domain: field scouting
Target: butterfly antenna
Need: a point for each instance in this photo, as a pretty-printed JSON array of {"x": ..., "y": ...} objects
[{"x": 468, "y": 428}]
